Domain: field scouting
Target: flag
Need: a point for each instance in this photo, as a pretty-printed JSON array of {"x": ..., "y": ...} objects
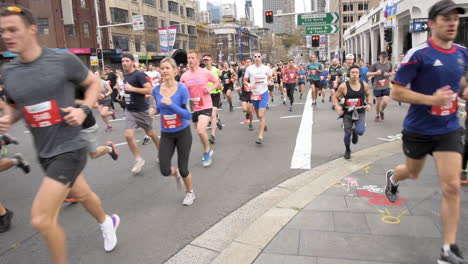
[
  {"x": 172, "y": 31},
  {"x": 163, "y": 39}
]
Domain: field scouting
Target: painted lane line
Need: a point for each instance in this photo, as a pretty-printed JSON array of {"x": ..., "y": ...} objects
[
  {"x": 293, "y": 116},
  {"x": 303, "y": 150},
  {"x": 254, "y": 121},
  {"x": 124, "y": 143},
  {"x": 27, "y": 131}
]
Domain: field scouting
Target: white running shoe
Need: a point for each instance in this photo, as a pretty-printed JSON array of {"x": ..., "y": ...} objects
[
  {"x": 138, "y": 165},
  {"x": 109, "y": 229},
  {"x": 189, "y": 198}
]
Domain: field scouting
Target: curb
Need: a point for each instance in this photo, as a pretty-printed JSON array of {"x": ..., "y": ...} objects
[{"x": 242, "y": 235}]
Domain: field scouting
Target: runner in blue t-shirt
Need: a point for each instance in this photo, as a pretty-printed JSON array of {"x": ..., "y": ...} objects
[
  {"x": 323, "y": 82},
  {"x": 301, "y": 79},
  {"x": 435, "y": 69},
  {"x": 364, "y": 70}
]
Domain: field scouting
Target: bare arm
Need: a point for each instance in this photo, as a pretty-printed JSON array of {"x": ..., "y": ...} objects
[
  {"x": 441, "y": 97},
  {"x": 147, "y": 89},
  {"x": 93, "y": 89}
]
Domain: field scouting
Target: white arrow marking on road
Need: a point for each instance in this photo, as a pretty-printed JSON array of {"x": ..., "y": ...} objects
[
  {"x": 303, "y": 150},
  {"x": 335, "y": 18}
]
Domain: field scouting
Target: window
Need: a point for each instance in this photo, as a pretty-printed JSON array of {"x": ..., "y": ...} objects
[
  {"x": 363, "y": 6},
  {"x": 150, "y": 22},
  {"x": 182, "y": 11},
  {"x": 83, "y": 3},
  {"x": 119, "y": 15},
  {"x": 191, "y": 30},
  {"x": 86, "y": 30},
  {"x": 348, "y": 19},
  {"x": 173, "y": 7},
  {"x": 191, "y": 12},
  {"x": 120, "y": 42},
  {"x": 70, "y": 30},
  {"x": 137, "y": 45},
  {"x": 150, "y": 2},
  {"x": 348, "y": 7},
  {"x": 151, "y": 45},
  {"x": 161, "y": 4},
  {"x": 43, "y": 26}
]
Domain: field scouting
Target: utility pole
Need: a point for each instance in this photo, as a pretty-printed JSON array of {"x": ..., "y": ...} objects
[{"x": 99, "y": 35}]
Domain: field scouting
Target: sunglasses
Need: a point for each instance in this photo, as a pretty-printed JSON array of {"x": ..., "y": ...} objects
[{"x": 15, "y": 9}]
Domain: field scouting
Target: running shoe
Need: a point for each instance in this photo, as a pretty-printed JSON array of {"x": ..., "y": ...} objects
[
  {"x": 109, "y": 231},
  {"x": 207, "y": 158},
  {"x": 189, "y": 198},
  {"x": 212, "y": 139},
  {"x": 391, "y": 190},
  {"x": 7, "y": 140},
  {"x": 5, "y": 221},
  {"x": 284, "y": 101},
  {"x": 268, "y": 107},
  {"x": 114, "y": 153},
  {"x": 272, "y": 100},
  {"x": 250, "y": 127},
  {"x": 108, "y": 128},
  {"x": 382, "y": 116},
  {"x": 453, "y": 256},
  {"x": 22, "y": 163},
  {"x": 231, "y": 108},
  {"x": 114, "y": 114},
  {"x": 70, "y": 199},
  {"x": 463, "y": 177},
  {"x": 219, "y": 125},
  {"x": 146, "y": 140},
  {"x": 377, "y": 119},
  {"x": 323, "y": 100},
  {"x": 259, "y": 141},
  {"x": 290, "y": 108},
  {"x": 355, "y": 137},
  {"x": 347, "y": 154},
  {"x": 266, "y": 128},
  {"x": 138, "y": 165},
  {"x": 246, "y": 121}
]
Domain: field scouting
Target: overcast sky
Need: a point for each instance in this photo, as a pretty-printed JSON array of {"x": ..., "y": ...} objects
[{"x": 258, "y": 7}]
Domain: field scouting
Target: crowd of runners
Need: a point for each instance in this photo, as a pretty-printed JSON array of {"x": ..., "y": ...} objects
[{"x": 58, "y": 97}]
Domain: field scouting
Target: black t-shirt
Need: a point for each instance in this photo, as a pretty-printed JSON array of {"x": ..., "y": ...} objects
[
  {"x": 135, "y": 101},
  {"x": 90, "y": 120},
  {"x": 112, "y": 78}
]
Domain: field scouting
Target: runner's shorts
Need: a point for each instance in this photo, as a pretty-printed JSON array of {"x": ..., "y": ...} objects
[
  {"x": 206, "y": 112},
  {"x": 216, "y": 99},
  {"x": 380, "y": 93},
  {"x": 105, "y": 102},
  {"x": 271, "y": 88},
  {"x": 417, "y": 146},
  {"x": 90, "y": 135},
  {"x": 245, "y": 96},
  {"x": 315, "y": 83},
  {"x": 135, "y": 120},
  {"x": 257, "y": 104},
  {"x": 65, "y": 167}
]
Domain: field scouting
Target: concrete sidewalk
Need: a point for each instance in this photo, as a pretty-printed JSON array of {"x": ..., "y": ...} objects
[{"x": 353, "y": 222}]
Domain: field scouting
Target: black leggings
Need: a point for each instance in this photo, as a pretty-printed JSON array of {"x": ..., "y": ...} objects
[
  {"x": 290, "y": 91},
  {"x": 168, "y": 143},
  {"x": 465, "y": 153}
]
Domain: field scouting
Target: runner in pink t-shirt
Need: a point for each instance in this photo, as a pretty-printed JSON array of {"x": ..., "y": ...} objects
[{"x": 196, "y": 80}]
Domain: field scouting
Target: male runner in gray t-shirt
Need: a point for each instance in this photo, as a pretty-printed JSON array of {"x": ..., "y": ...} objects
[
  {"x": 381, "y": 72},
  {"x": 40, "y": 86}
]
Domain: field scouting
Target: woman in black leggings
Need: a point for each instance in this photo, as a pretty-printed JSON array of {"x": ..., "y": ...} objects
[{"x": 171, "y": 100}]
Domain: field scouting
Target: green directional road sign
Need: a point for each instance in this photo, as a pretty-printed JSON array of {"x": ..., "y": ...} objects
[
  {"x": 318, "y": 19},
  {"x": 322, "y": 30}
]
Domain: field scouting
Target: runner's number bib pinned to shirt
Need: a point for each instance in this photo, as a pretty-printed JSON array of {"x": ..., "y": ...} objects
[
  {"x": 449, "y": 109},
  {"x": 256, "y": 97},
  {"x": 171, "y": 121},
  {"x": 43, "y": 114},
  {"x": 353, "y": 102},
  {"x": 197, "y": 102}
]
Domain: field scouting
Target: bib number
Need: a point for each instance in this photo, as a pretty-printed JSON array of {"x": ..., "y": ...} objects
[
  {"x": 127, "y": 98},
  {"x": 353, "y": 102},
  {"x": 382, "y": 83},
  {"x": 256, "y": 97},
  {"x": 227, "y": 81},
  {"x": 43, "y": 114},
  {"x": 197, "y": 102},
  {"x": 171, "y": 121},
  {"x": 314, "y": 72},
  {"x": 446, "y": 110},
  {"x": 322, "y": 78}
]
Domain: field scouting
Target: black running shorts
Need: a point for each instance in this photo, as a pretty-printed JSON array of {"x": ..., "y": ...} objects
[
  {"x": 417, "y": 146},
  {"x": 205, "y": 112},
  {"x": 65, "y": 167}
]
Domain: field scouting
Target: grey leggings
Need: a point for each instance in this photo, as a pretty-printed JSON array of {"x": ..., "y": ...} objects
[{"x": 182, "y": 140}]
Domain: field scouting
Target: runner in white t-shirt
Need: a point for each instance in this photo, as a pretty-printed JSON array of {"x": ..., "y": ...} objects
[
  {"x": 257, "y": 77},
  {"x": 154, "y": 75}
]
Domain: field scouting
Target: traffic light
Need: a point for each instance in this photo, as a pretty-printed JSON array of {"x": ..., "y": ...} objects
[
  {"x": 99, "y": 54},
  {"x": 389, "y": 49},
  {"x": 315, "y": 41},
  {"x": 388, "y": 34},
  {"x": 269, "y": 17}
]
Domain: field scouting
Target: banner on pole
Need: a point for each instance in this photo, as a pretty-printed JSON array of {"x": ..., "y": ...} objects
[
  {"x": 171, "y": 33},
  {"x": 163, "y": 39}
]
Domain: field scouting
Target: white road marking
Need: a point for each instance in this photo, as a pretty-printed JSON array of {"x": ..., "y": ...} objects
[
  {"x": 124, "y": 143},
  {"x": 254, "y": 121},
  {"x": 294, "y": 116},
  {"x": 27, "y": 131},
  {"x": 303, "y": 150},
  {"x": 116, "y": 120}
]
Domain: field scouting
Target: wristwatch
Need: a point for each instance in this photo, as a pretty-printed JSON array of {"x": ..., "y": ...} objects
[{"x": 86, "y": 109}]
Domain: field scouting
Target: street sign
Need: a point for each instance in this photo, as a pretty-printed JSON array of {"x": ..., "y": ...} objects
[
  {"x": 317, "y": 19},
  {"x": 418, "y": 25},
  {"x": 322, "y": 30},
  {"x": 94, "y": 60},
  {"x": 138, "y": 22}
]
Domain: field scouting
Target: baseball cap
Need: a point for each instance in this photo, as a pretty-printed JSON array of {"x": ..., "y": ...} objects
[
  {"x": 444, "y": 7},
  {"x": 206, "y": 57},
  {"x": 350, "y": 56},
  {"x": 383, "y": 53}
]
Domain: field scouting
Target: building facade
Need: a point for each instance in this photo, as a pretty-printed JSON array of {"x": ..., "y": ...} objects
[
  {"x": 350, "y": 11},
  {"x": 365, "y": 38},
  {"x": 68, "y": 27},
  {"x": 216, "y": 12},
  {"x": 206, "y": 41},
  {"x": 281, "y": 24},
  {"x": 234, "y": 43}
]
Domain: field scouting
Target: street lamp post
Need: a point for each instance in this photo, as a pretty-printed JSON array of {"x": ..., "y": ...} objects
[{"x": 219, "y": 56}]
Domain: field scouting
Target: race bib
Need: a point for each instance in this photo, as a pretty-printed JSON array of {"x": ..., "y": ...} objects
[
  {"x": 353, "y": 102},
  {"x": 322, "y": 78},
  {"x": 256, "y": 97},
  {"x": 314, "y": 72},
  {"x": 302, "y": 77},
  {"x": 382, "y": 83},
  {"x": 247, "y": 88},
  {"x": 127, "y": 98},
  {"x": 291, "y": 75},
  {"x": 451, "y": 108},
  {"x": 171, "y": 121},
  {"x": 197, "y": 102},
  {"x": 227, "y": 81},
  {"x": 43, "y": 114}
]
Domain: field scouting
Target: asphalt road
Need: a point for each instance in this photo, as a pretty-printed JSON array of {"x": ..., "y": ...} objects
[{"x": 154, "y": 224}]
